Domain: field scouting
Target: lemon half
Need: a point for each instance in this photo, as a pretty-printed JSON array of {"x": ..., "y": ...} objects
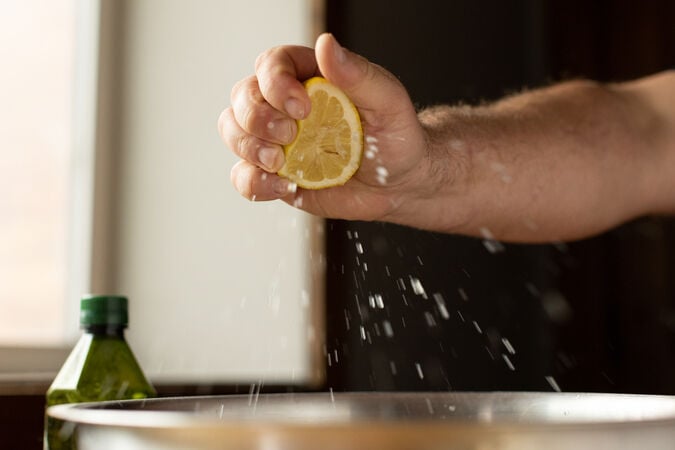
[{"x": 327, "y": 150}]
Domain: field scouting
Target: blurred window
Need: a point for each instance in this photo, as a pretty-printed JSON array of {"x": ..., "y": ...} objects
[{"x": 36, "y": 86}]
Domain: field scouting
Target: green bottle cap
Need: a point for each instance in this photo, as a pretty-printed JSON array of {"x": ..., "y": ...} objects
[{"x": 104, "y": 310}]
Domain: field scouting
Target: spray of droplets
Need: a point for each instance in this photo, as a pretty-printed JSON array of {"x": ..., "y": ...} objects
[
  {"x": 372, "y": 153},
  {"x": 375, "y": 324},
  {"x": 371, "y": 147},
  {"x": 491, "y": 244}
]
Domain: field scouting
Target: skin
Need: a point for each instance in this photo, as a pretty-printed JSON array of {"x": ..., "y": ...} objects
[{"x": 558, "y": 163}]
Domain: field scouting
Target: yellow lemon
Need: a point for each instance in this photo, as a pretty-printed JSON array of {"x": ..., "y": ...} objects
[{"x": 327, "y": 149}]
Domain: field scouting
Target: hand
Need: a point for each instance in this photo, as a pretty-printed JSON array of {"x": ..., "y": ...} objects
[{"x": 262, "y": 117}]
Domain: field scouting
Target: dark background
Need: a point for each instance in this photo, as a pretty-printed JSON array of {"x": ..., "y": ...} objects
[{"x": 594, "y": 315}]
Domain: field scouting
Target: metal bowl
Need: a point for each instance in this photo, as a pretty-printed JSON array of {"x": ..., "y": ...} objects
[{"x": 382, "y": 421}]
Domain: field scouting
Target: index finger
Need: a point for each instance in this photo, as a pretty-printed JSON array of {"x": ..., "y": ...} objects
[{"x": 280, "y": 72}]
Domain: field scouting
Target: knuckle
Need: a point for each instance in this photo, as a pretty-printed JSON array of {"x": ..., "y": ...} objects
[
  {"x": 251, "y": 118},
  {"x": 236, "y": 89},
  {"x": 223, "y": 119},
  {"x": 260, "y": 59},
  {"x": 271, "y": 67},
  {"x": 245, "y": 146},
  {"x": 241, "y": 179},
  {"x": 245, "y": 89},
  {"x": 263, "y": 58},
  {"x": 256, "y": 118},
  {"x": 250, "y": 109},
  {"x": 238, "y": 141}
]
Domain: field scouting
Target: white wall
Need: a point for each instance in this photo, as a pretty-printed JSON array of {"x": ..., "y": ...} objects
[{"x": 219, "y": 287}]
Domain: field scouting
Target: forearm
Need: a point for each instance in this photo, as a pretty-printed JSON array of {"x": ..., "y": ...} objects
[{"x": 553, "y": 164}]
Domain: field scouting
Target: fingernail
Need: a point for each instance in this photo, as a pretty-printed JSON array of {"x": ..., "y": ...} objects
[
  {"x": 294, "y": 108},
  {"x": 281, "y": 130},
  {"x": 270, "y": 158},
  {"x": 340, "y": 53}
]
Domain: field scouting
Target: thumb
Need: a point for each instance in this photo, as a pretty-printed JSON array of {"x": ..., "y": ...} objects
[{"x": 368, "y": 85}]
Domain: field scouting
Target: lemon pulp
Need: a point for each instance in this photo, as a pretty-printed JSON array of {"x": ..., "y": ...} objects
[{"x": 327, "y": 149}]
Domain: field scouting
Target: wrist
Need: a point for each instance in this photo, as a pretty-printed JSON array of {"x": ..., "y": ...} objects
[{"x": 440, "y": 174}]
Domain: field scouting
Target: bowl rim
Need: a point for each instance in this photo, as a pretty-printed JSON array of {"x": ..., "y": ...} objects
[{"x": 113, "y": 413}]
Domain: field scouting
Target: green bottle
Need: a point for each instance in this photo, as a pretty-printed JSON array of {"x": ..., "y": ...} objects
[{"x": 100, "y": 367}]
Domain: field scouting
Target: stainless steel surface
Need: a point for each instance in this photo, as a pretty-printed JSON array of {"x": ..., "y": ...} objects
[{"x": 496, "y": 421}]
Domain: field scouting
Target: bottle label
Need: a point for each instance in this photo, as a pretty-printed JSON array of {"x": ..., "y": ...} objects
[{"x": 68, "y": 377}]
